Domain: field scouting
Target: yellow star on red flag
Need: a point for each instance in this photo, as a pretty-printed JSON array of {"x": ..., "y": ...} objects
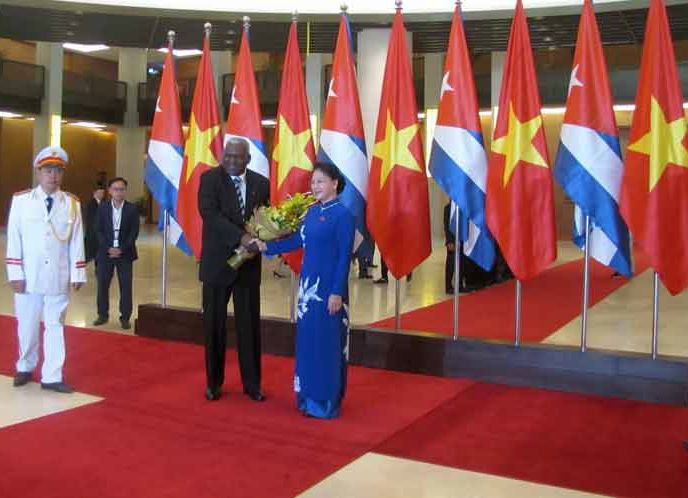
[
  {"x": 197, "y": 147},
  {"x": 290, "y": 151},
  {"x": 517, "y": 144},
  {"x": 394, "y": 149},
  {"x": 663, "y": 143}
]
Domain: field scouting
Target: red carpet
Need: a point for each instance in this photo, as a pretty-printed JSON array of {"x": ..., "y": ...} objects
[
  {"x": 155, "y": 435},
  {"x": 606, "y": 446},
  {"x": 550, "y": 301}
]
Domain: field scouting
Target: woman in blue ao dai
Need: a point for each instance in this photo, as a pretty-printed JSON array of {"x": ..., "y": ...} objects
[{"x": 322, "y": 324}]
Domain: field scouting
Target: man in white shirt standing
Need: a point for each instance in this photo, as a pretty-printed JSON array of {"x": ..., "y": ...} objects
[{"x": 45, "y": 259}]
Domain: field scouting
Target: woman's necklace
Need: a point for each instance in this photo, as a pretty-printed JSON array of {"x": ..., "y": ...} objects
[{"x": 325, "y": 208}]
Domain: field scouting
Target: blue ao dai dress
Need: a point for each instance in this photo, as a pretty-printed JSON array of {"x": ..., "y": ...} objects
[{"x": 326, "y": 236}]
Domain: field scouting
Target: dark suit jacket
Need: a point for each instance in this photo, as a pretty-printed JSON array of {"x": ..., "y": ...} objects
[
  {"x": 448, "y": 235},
  {"x": 128, "y": 230},
  {"x": 90, "y": 235},
  {"x": 223, "y": 225}
]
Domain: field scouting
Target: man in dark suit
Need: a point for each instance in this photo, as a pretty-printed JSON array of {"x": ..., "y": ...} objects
[
  {"x": 450, "y": 244},
  {"x": 117, "y": 227},
  {"x": 227, "y": 197},
  {"x": 90, "y": 215}
]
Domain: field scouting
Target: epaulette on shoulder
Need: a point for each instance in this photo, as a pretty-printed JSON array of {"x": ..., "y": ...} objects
[
  {"x": 73, "y": 196},
  {"x": 22, "y": 192}
]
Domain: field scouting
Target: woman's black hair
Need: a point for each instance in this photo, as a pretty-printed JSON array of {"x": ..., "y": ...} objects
[{"x": 333, "y": 172}]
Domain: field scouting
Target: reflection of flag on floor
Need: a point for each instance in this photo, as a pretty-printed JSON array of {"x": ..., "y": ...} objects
[
  {"x": 457, "y": 160},
  {"x": 398, "y": 211},
  {"x": 588, "y": 165},
  {"x": 293, "y": 154},
  {"x": 654, "y": 192},
  {"x": 202, "y": 150},
  {"x": 341, "y": 140},
  {"x": 243, "y": 118},
  {"x": 164, "y": 162},
  {"x": 520, "y": 205}
]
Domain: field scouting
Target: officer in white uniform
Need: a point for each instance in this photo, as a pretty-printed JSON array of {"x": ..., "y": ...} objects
[{"x": 45, "y": 258}]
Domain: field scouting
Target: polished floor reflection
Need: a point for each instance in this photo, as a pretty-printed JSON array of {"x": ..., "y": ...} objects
[{"x": 622, "y": 321}]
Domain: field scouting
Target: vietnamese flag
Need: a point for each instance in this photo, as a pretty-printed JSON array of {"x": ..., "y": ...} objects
[
  {"x": 654, "y": 190},
  {"x": 202, "y": 150},
  {"x": 398, "y": 210},
  {"x": 520, "y": 205},
  {"x": 294, "y": 153}
]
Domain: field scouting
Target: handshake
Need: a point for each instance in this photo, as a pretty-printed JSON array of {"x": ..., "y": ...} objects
[{"x": 252, "y": 245}]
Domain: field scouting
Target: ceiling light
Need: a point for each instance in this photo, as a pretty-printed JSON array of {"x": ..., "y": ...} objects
[
  {"x": 182, "y": 52},
  {"x": 84, "y": 49},
  {"x": 89, "y": 124},
  {"x": 5, "y": 114}
]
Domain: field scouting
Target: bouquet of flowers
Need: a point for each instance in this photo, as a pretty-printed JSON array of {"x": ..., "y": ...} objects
[{"x": 273, "y": 222}]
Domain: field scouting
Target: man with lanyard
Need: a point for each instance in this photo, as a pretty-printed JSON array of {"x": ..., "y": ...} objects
[
  {"x": 117, "y": 228},
  {"x": 45, "y": 259}
]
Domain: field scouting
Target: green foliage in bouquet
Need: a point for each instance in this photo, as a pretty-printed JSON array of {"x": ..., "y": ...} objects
[{"x": 274, "y": 222}]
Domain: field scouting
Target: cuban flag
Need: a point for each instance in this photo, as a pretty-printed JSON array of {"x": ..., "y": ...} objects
[
  {"x": 458, "y": 162},
  {"x": 342, "y": 141},
  {"x": 165, "y": 150},
  {"x": 243, "y": 118},
  {"x": 589, "y": 166}
]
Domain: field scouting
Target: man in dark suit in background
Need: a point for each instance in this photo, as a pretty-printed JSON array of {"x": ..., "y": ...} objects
[
  {"x": 90, "y": 215},
  {"x": 117, "y": 227},
  {"x": 450, "y": 244},
  {"x": 227, "y": 197}
]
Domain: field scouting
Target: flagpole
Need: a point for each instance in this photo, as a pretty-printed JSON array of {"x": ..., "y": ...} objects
[
  {"x": 163, "y": 273},
  {"x": 655, "y": 315},
  {"x": 166, "y": 218},
  {"x": 586, "y": 286},
  {"x": 397, "y": 306},
  {"x": 457, "y": 275},
  {"x": 517, "y": 339}
]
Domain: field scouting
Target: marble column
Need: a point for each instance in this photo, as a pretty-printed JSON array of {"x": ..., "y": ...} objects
[
  {"x": 46, "y": 129},
  {"x": 315, "y": 81},
  {"x": 222, "y": 64},
  {"x": 131, "y": 137},
  {"x": 433, "y": 68}
]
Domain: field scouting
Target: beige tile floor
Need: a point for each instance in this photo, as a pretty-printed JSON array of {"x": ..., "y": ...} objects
[
  {"x": 28, "y": 402},
  {"x": 622, "y": 321},
  {"x": 374, "y": 476}
]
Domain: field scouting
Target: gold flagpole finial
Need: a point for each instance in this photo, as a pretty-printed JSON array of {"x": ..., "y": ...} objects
[
  {"x": 207, "y": 27},
  {"x": 247, "y": 22},
  {"x": 343, "y": 7},
  {"x": 397, "y": 4},
  {"x": 295, "y": 16},
  {"x": 171, "y": 35}
]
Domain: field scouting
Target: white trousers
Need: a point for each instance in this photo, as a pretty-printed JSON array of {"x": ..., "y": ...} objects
[{"x": 28, "y": 308}]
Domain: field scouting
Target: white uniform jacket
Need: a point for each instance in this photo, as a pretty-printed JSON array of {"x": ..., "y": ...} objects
[{"x": 45, "y": 249}]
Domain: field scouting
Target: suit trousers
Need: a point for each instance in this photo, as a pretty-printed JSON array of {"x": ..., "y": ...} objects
[
  {"x": 449, "y": 268},
  {"x": 247, "y": 321},
  {"x": 104, "y": 272},
  {"x": 28, "y": 308}
]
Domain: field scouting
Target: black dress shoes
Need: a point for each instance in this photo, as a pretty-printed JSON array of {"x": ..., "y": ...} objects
[
  {"x": 380, "y": 281},
  {"x": 126, "y": 325},
  {"x": 21, "y": 378},
  {"x": 58, "y": 387},
  {"x": 255, "y": 395},
  {"x": 100, "y": 321},
  {"x": 212, "y": 394}
]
